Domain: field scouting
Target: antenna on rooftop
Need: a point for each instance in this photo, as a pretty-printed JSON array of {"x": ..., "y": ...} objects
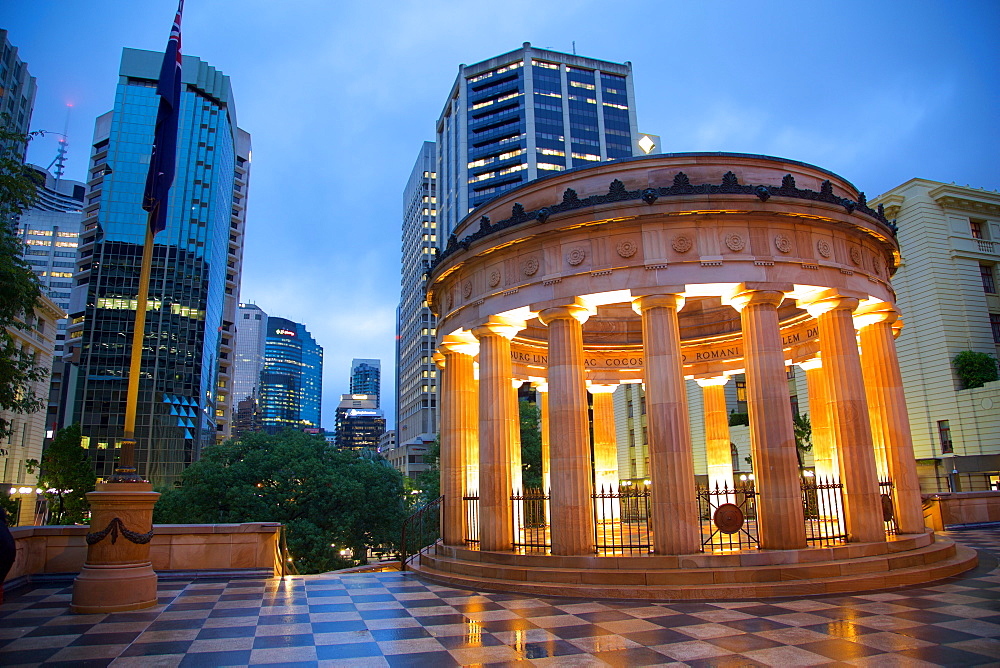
[
  {"x": 574, "y": 47},
  {"x": 60, "y": 160}
]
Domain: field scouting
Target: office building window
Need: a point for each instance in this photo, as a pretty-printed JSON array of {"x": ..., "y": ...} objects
[
  {"x": 944, "y": 432},
  {"x": 989, "y": 283}
]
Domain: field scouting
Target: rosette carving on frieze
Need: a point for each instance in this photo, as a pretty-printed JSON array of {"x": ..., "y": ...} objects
[
  {"x": 856, "y": 255},
  {"x": 626, "y": 248},
  {"x": 494, "y": 278},
  {"x": 783, "y": 243},
  {"x": 467, "y": 289},
  {"x": 877, "y": 265},
  {"x": 530, "y": 266},
  {"x": 735, "y": 242},
  {"x": 682, "y": 243},
  {"x": 576, "y": 256},
  {"x": 823, "y": 248}
]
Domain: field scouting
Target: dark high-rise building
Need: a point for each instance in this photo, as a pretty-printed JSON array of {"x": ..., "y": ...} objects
[
  {"x": 359, "y": 422},
  {"x": 524, "y": 114},
  {"x": 291, "y": 382},
  {"x": 17, "y": 89},
  {"x": 366, "y": 378},
  {"x": 184, "y": 399}
]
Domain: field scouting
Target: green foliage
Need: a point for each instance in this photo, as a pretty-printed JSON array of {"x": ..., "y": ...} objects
[
  {"x": 68, "y": 475},
  {"x": 327, "y": 499},
  {"x": 802, "y": 427},
  {"x": 531, "y": 444},
  {"x": 975, "y": 369},
  {"x": 737, "y": 419},
  {"x": 20, "y": 290},
  {"x": 428, "y": 482}
]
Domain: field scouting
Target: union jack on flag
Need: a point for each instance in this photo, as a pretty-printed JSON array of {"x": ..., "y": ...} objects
[{"x": 163, "y": 160}]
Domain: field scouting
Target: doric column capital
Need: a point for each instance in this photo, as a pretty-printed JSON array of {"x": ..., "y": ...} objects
[
  {"x": 516, "y": 383},
  {"x": 497, "y": 326},
  {"x": 830, "y": 300},
  {"x": 601, "y": 389},
  {"x": 741, "y": 300},
  {"x": 874, "y": 317},
  {"x": 810, "y": 364},
  {"x": 461, "y": 345},
  {"x": 439, "y": 359},
  {"x": 574, "y": 311},
  {"x": 644, "y": 303},
  {"x": 713, "y": 381},
  {"x": 541, "y": 387}
]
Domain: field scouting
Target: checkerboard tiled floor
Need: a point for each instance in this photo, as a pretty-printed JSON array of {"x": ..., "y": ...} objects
[{"x": 395, "y": 619}]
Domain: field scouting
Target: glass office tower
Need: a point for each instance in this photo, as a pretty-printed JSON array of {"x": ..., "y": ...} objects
[
  {"x": 291, "y": 383},
  {"x": 194, "y": 286},
  {"x": 366, "y": 378},
  {"x": 525, "y": 114}
]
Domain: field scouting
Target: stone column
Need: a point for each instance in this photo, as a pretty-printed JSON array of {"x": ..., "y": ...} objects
[
  {"x": 888, "y": 409},
  {"x": 849, "y": 417},
  {"x": 605, "y": 450},
  {"x": 780, "y": 521},
  {"x": 543, "y": 405},
  {"x": 572, "y": 525},
  {"x": 118, "y": 574},
  {"x": 674, "y": 507},
  {"x": 824, "y": 449},
  {"x": 496, "y": 439},
  {"x": 458, "y": 428},
  {"x": 718, "y": 449}
]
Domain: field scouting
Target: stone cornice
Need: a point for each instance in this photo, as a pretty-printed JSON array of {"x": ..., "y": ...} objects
[
  {"x": 617, "y": 193},
  {"x": 951, "y": 196}
]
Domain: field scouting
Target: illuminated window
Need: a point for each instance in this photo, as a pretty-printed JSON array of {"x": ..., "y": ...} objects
[
  {"x": 37, "y": 242},
  {"x": 944, "y": 433},
  {"x": 976, "y": 227},
  {"x": 67, "y": 244}
]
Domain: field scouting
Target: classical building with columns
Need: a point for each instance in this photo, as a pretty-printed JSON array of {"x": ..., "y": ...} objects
[{"x": 655, "y": 270}]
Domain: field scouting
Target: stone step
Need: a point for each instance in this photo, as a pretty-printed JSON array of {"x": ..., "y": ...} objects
[
  {"x": 619, "y": 584},
  {"x": 640, "y": 570}
]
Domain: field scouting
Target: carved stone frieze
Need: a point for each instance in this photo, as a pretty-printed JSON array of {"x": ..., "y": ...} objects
[
  {"x": 783, "y": 243},
  {"x": 626, "y": 248},
  {"x": 576, "y": 256},
  {"x": 823, "y": 248},
  {"x": 530, "y": 267},
  {"x": 682, "y": 243},
  {"x": 735, "y": 242}
]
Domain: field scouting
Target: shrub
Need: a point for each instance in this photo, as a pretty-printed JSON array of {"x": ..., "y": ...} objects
[{"x": 975, "y": 369}]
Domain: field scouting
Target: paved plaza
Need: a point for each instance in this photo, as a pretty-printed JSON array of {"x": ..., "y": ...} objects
[{"x": 396, "y": 619}]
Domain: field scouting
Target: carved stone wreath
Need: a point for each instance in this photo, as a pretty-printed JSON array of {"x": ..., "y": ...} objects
[
  {"x": 783, "y": 243},
  {"x": 735, "y": 242},
  {"x": 627, "y": 248},
  {"x": 682, "y": 243},
  {"x": 114, "y": 527},
  {"x": 877, "y": 266},
  {"x": 467, "y": 289},
  {"x": 530, "y": 267},
  {"x": 450, "y": 300},
  {"x": 576, "y": 256},
  {"x": 494, "y": 278},
  {"x": 856, "y": 255},
  {"x": 823, "y": 247}
]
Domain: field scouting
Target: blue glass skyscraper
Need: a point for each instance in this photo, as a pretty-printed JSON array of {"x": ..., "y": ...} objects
[
  {"x": 194, "y": 288},
  {"x": 522, "y": 115},
  {"x": 291, "y": 384}
]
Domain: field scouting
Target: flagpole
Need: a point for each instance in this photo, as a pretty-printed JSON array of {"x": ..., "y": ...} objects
[{"x": 126, "y": 470}]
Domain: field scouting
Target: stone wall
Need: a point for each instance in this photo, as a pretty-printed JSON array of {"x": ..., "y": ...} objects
[
  {"x": 175, "y": 547},
  {"x": 948, "y": 510}
]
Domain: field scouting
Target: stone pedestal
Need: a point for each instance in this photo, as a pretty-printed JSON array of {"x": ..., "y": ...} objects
[{"x": 118, "y": 574}]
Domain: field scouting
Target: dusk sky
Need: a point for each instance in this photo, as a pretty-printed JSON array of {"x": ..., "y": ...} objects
[{"x": 338, "y": 97}]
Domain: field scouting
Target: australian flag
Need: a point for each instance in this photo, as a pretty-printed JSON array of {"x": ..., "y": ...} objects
[{"x": 163, "y": 161}]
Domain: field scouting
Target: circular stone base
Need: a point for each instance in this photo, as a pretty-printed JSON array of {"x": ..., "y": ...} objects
[
  {"x": 900, "y": 561},
  {"x": 116, "y": 588}
]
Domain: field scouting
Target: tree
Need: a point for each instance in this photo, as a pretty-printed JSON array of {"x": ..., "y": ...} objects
[
  {"x": 531, "y": 444},
  {"x": 20, "y": 291},
  {"x": 67, "y": 474},
  {"x": 329, "y": 500},
  {"x": 802, "y": 427},
  {"x": 975, "y": 369},
  {"x": 428, "y": 482}
]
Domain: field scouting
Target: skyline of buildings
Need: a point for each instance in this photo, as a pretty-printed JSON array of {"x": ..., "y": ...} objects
[
  {"x": 184, "y": 395},
  {"x": 291, "y": 379}
]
